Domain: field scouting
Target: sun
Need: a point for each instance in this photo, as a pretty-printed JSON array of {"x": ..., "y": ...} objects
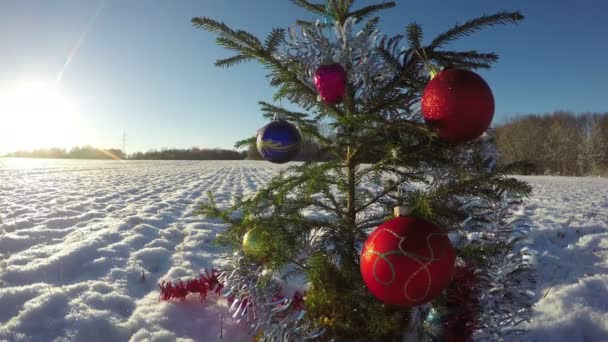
[{"x": 36, "y": 115}]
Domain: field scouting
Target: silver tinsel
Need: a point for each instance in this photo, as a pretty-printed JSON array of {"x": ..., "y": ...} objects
[
  {"x": 507, "y": 281},
  {"x": 322, "y": 43},
  {"x": 256, "y": 299}
]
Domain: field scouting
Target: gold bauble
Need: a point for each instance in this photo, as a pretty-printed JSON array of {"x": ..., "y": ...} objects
[
  {"x": 253, "y": 244},
  {"x": 259, "y": 336},
  {"x": 328, "y": 322},
  {"x": 433, "y": 72}
]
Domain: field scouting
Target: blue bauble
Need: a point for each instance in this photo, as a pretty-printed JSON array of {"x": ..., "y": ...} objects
[
  {"x": 279, "y": 141},
  {"x": 432, "y": 325}
]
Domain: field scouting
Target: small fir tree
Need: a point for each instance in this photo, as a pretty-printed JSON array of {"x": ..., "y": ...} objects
[{"x": 314, "y": 217}]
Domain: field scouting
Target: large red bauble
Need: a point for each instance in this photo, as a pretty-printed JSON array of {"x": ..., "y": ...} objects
[
  {"x": 407, "y": 261},
  {"x": 458, "y": 104},
  {"x": 330, "y": 80}
]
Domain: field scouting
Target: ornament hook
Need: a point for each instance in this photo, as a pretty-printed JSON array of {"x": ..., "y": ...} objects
[
  {"x": 278, "y": 116},
  {"x": 400, "y": 209}
]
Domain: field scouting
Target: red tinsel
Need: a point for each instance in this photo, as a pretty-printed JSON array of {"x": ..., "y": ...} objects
[
  {"x": 212, "y": 282},
  {"x": 463, "y": 304},
  {"x": 298, "y": 301},
  {"x": 205, "y": 283}
]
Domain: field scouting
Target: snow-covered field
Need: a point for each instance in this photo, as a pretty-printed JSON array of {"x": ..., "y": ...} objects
[{"x": 76, "y": 236}]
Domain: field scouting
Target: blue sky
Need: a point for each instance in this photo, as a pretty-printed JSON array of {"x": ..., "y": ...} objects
[{"x": 142, "y": 68}]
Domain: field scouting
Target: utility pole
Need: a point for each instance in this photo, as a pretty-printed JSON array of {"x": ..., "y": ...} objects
[{"x": 124, "y": 143}]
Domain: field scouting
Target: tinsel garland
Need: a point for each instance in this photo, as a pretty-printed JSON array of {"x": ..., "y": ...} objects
[
  {"x": 463, "y": 306},
  {"x": 258, "y": 299},
  {"x": 505, "y": 280},
  {"x": 355, "y": 50},
  {"x": 252, "y": 296},
  {"x": 486, "y": 301},
  {"x": 495, "y": 295},
  {"x": 491, "y": 296},
  {"x": 211, "y": 281}
]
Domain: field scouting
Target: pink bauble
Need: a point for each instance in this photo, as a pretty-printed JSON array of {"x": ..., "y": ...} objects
[{"x": 330, "y": 80}]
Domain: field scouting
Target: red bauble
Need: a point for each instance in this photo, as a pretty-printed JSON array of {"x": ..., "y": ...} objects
[
  {"x": 407, "y": 261},
  {"x": 330, "y": 80},
  {"x": 458, "y": 104}
]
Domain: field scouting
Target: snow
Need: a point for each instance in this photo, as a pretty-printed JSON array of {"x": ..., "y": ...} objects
[
  {"x": 570, "y": 238},
  {"x": 75, "y": 237}
]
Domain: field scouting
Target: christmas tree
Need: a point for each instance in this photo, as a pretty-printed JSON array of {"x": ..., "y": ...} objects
[{"x": 407, "y": 122}]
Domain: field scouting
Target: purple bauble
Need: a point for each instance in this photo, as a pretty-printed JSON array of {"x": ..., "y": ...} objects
[
  {"x": 279, "y": 141},
  {"x": 330, "y": 80}
]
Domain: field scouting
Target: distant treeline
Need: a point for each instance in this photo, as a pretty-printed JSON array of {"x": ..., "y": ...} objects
[
  {"x": 90, "y": 152},
  {"x": 561, "y": 143},
  {"x": 309, "y": 151},
  {"x": 80, "y": 152},
  {"x": 194, "y": 153}
]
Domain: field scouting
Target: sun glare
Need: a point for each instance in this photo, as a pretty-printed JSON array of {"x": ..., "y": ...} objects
[{"x": 35, "y": 115}]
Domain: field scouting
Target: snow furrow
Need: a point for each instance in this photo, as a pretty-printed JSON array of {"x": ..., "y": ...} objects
[{"x": 83, "y": 245}]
